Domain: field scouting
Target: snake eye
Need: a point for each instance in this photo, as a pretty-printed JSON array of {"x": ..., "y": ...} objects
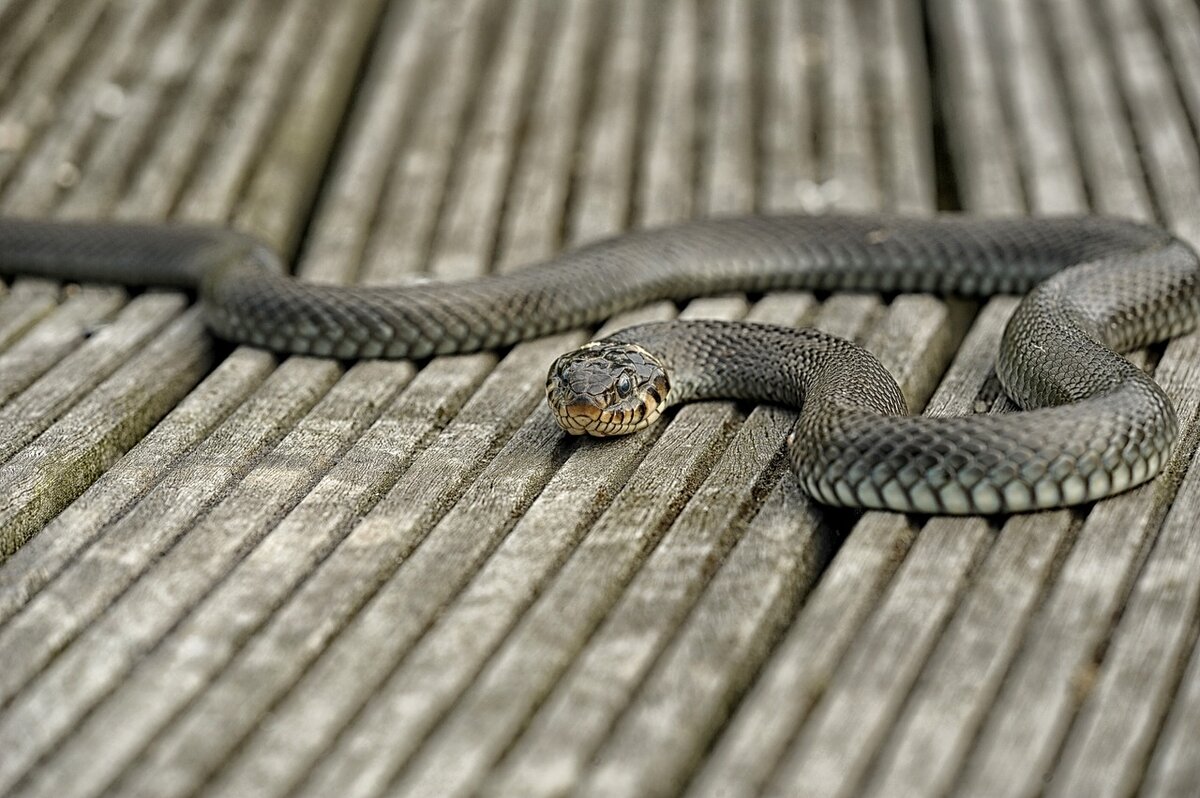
[{"x": 624, "y": 385}]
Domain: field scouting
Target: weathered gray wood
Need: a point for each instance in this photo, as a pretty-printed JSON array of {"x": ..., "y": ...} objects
[
  {"x": 727, "y": 176},
  {"x": 553, "y": 753},
  {"x": 405, "y": 222},
  {"x": 1121, "y": 719},
  {"x": 45, "y": 710},
  {"x": 787, "y": 113},
  {"x": 739, "y": 773},
  {"x": 27, "y": 415},
  {"x": 936, "y": 726},
  {"x": 845, "y": 725},
  {"x": 406, "y": 703},
  {"x": 65, "y": 454},
  {"x": 283, "y": 187},
  {"x": 1123, "y": 711},
  {"x": 1030, "y": 714},
  {"x": 900, "y": 82},
  {"x": 43, "y": 557},
  {"x": 615, "y": 773},
  {"x": 427, "y": 770},
  {"x": 471, "y": 219},
  {"x": 500, "y": 400},
  {"x": 551, "y": 631},
  {"x": 49, "y": 342},
  {"x": 218, "y": 179},
  {"x": 53, "y": 393},
  {"x": 157, "y": 94},
  {"x": 313, "y": 141},
  {"x": 442, "y": 395},
  {"x": 767, "y": 719},
  {"x": 401, "y": 577},
  {"x": 1038, "y": 119},
  {"x": 22, "y": 27},
  {"x": 346, "y": 494},
  {"x": 1173, "y": 768},
  {"x": 22, "y": 305},
  {"x": 665, "y": 192},
  {"x": 609, "y": 147},
  {"x": 1157, "y": 116},
  {"x": 176, "y": 434},
  {"x": 214, "y": 544},
  {"x": 678, "y": 708},
  {"x": 1107, "y": 151},
  {"x": 541, "y": 184},
  {"x": 29, "y": 181},
  {"x": 1179, "y": 26}
]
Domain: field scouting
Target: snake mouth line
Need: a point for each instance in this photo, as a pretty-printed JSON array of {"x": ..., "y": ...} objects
[{"x": 584, "y": 418}]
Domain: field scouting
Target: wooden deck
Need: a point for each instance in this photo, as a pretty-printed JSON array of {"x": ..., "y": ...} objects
[{"x": 241, "y": 575}]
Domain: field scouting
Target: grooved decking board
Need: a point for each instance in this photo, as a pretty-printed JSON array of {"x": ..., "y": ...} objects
[{"x": 233, "y": 573}]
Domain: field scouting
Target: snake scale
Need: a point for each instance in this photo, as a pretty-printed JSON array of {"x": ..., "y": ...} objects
[{"x": 1092, "y": 424}]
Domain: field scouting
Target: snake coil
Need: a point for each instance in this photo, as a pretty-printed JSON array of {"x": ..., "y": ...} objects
[{"x": 1093, "y": 425}]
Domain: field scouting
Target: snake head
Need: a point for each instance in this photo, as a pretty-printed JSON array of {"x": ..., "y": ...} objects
[{"x": 606, "y": 388}]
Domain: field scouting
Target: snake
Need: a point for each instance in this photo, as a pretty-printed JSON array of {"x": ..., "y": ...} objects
[{"x": 1089, "y": 423}]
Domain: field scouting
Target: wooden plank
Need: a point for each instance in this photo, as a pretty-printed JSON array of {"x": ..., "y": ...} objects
[
  {"x": 404, "y": 225},
  {"x": 127, "y": 744},
  {"x": 59, "y": 464},
  {"x": 429, "y": 678},
  {"x": 22, "y": 305},
  {"x": 30, "y": 180},
  {"x": 1045, "y": 153},
  {"x": 580, "y": 497},
  {"x": 216, "y": 182},
  {"x": 30, "y": 413},
  {"x": 41, "y": 559},
  {"x": 1178, "y": 23},
  {"x": 36, "y": 352},
  {"x": 673, "y": 707},
  {"x": 608, "y": 150},
  {"x": 790, "y": 171},
  {"x": 509, "y": 385},
  {"x": 282, "y": 189},
  {"x": 61, "y": 387},
  {"x": 402, "y": 578},
  {"x": 470, "y": 222},
  {"x": 986, "y": 173},
  {"x": 562, "y": 736},
  {"x": 935, "y": 727},
  {"x": 541, "y": 185},
  {"x": 901, "y": 84},
  {"x": 1163, "y": 593},
  {"x": 674, "y": 716},
  {"x": 22, "y": 27},
  {"x": 1156, "y": 114},
  {"x": 161, "y": 123},
  {"x": 1028, "y": 717},
  {"x": 1107, "y": 151},
  {"x": 596, "y": 551},
  {"x": 47, "y": 709},
  {"x": 283, "y": 172},
  {"x": 666, "y": 188},
  {"x": 215, "y": 543},
  {"x": 184, "y": 428},
  {"x": 728, "y": 183},
  {"x": 25, "y": 117},
  {"x": 1121, "y": 719},
  {"x": 766, "y": 721}
]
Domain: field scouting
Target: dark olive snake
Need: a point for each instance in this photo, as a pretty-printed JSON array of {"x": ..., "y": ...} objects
[{"x": 1093, "y": 423}]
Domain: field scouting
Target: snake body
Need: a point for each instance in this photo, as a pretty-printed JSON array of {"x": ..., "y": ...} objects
[{"x": 1094, "y": 424}]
